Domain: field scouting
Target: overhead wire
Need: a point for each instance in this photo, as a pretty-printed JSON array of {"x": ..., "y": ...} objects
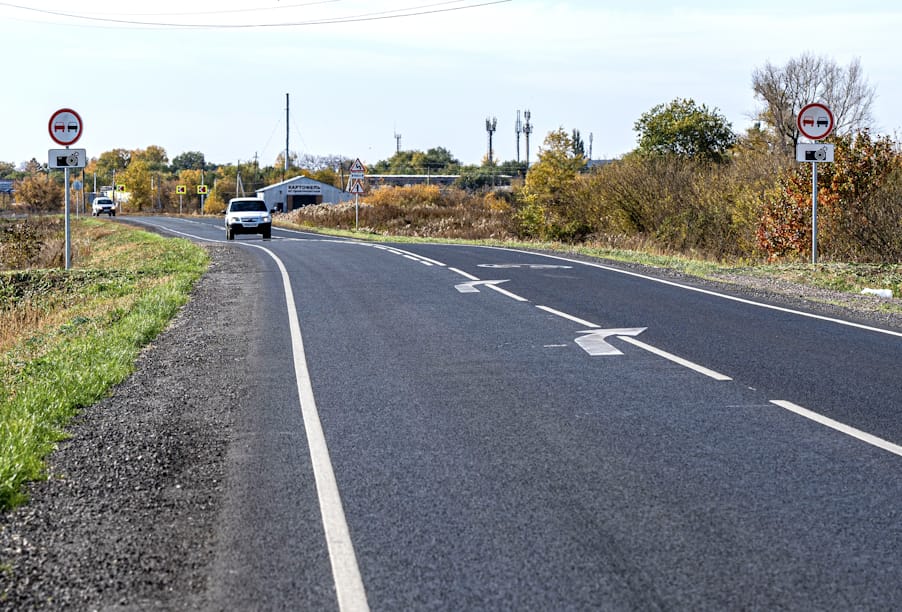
[{"x": 413, "y": 11}]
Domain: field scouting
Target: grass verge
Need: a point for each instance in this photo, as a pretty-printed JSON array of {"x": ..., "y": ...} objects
[{"x": 78, "y": 332}]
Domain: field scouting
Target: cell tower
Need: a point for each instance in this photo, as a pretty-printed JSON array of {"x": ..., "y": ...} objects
[
  {"x": 397, "y": 142},
  {"x": 518, "y": 127},
  {"x": 527, "y": 129},
  {"x": 491, "y": 124}
]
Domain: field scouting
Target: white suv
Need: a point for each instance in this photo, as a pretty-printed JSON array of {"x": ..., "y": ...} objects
[
  {"x": 103, "y": 205},
  {"x": 247, "y": 216}
]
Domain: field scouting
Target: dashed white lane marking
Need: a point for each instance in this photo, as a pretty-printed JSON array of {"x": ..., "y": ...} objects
[
  {"x": 670, "y": 356},
  {"x": 569, "y": 317},
  {"x": 841, "y": 427}
]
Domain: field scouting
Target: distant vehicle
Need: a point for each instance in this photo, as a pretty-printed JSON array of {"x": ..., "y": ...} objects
[
  {"x": 103, "y": 205},
  {"x": 247, "y": 216},
  {"x": 822, "y": 121}
]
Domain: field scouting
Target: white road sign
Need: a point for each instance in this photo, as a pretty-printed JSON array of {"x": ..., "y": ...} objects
[
  {"x": 65, "y": 126},
  {"x": 815, "y": 152},
  {"x": 815, "y": 121},
  {"x": 67, "y": 158}
]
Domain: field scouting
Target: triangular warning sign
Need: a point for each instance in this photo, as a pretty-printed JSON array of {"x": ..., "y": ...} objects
[
  {"x": 357, "y": 166},
  {"x": 355, "y": 185}
]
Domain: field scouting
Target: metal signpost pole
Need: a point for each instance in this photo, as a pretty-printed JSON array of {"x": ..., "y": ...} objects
[
  {"x": 815, "y": 121},
  {"x": 814, "y": 212},
  {"x": 68, "y": 233},
  {"x": 65, "y": 127}
]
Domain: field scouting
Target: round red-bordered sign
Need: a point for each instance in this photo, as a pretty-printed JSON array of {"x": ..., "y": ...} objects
[
  {"x": 65, "y": 126},
  {"x": 815, "y": 121}
]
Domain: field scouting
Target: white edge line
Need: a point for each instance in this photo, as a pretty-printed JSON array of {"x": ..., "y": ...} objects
[
  {"x": 564, "y": 315},
  {"x": 675, "y": 359},
  {"x": 345, "y": 570},
  {"x": 846, "y": 429},
  {"x": 706, "y": 291}
]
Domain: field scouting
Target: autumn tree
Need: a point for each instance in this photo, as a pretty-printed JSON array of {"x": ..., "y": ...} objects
[
  {"x": 683, "y": 128},
  {"x": 112, "y": 163},
  {"x": 137, "y": 180},
  {"x": 154, "y": 156},
  {"x": 189, "y": 160},
  {"x": 40, "y": 193},
  {"x": 857, "y": 217},
  {"x": 546, "y": 204},
  {"x": 785, "y": 90}
]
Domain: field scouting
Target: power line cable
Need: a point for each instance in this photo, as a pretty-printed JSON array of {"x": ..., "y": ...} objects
[{"x": 415, "y": 11}]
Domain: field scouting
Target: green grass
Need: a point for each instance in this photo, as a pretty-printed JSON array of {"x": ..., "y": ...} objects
[{"x": 96, "y": 320}]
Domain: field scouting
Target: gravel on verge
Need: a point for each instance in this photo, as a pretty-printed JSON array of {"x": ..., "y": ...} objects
[{"x": 126, "y": 518}]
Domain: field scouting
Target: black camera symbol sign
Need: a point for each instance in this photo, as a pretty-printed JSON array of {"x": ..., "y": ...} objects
[
  {"x": 70, "y": 160},
  {"x": 816, "y": 155}
]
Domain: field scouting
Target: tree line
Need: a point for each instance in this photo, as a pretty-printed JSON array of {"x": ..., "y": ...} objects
[{"x": 691, "y": 185}]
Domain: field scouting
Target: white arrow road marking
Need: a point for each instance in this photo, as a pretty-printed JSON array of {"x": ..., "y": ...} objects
[
  {"x": 471, "y": 286},
  {"x": 491, "y": 284},
  {"x": 595, "y": 342}
]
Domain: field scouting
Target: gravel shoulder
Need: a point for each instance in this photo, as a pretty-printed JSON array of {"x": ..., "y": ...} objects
[{"x": 127, "y": 518}]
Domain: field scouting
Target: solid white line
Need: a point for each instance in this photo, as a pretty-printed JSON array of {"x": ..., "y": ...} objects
[
  {"x": 675, "y": 359},
  {"x": 345, "y": 571},
  {"x": 850, "y": 431},
  {"x": 564, "y": 315},
  {"x": 349, "y": 587}
]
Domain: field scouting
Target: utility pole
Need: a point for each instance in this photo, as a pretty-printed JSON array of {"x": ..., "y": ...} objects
[
  {"x": 527, "y": 129},
  {"x": 491, "y": 124},
  {"x": 287, "y": 130},
  {"x": 518, "y": 127}
]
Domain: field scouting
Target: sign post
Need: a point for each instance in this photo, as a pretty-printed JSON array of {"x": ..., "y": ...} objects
[
  {"x": 815, "y": 121},
  {"x": 202, "y": 191},
  {"x": 355, "y": 186},
  {"x": 181, "y": 190},
  {"x": 65, "y": 128}
]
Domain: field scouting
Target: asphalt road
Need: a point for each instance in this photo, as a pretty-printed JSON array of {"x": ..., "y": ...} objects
[{"x": 475, "y": 428}]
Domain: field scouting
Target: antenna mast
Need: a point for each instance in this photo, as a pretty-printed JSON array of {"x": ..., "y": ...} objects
[
  {"x": 527, "y": 129},
  {"x": 518, "y": 127},
  {"x": 397, "y": 142},
  {"x": 491, "y": 124},
  {"x": 287, "y": 131}
]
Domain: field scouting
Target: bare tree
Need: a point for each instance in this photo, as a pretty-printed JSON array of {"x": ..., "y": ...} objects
[{"x": 808, "y": 78}]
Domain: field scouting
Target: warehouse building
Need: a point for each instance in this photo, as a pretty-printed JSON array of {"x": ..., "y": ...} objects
[{"x": 301, "y": 191}]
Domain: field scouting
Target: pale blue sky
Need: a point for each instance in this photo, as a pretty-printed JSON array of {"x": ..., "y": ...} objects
[{"x": 433, "y": 78}]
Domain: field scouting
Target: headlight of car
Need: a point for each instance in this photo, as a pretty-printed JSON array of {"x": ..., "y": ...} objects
[{"x": 266, "y": 219}]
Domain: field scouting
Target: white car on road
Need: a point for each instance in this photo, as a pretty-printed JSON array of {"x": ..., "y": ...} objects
[
  {"x": 247, "y": 216},
  {"x": 103, "y": 206}
]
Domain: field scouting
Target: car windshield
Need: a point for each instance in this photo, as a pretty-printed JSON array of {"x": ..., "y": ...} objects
[{"x": 251, "y": 206}]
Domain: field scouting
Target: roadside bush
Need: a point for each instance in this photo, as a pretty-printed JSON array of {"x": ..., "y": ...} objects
[
  {"x": 35, "y": 242},
  {"x": 419, "y": 210},
  {"x": 858, "y": 206},
  {"x": 406, "y": 197}
]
